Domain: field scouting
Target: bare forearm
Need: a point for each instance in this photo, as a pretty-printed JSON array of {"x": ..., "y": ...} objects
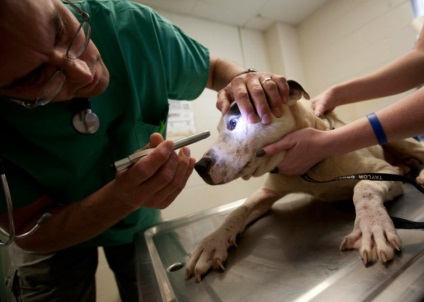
[
  {"x": 353, "y": 136},
  {"x": 222, "y": 72},
  {"x": 78, "y": 222},
  {"x": 404, "y": 118},
  {"x": 401, "y": 75},
  {"x": 401, "y": 120},
  {"x": 154, "y": 181}
]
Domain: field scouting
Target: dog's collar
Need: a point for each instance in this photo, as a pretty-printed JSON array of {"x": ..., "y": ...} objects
[{"x": 329, "y": 121}]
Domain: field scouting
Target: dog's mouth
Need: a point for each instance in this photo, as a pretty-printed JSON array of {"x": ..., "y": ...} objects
[
  {"x": 218, "y": 173},
  {"x": 213, "y": 173}
]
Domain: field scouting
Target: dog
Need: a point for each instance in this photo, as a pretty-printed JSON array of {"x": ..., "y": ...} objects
[{"x": 233, "y": 155}]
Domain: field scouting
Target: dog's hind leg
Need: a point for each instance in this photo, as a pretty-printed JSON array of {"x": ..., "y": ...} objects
[
  {"x": 212, "y": 251},
  {"x": 374, "y": 234}
]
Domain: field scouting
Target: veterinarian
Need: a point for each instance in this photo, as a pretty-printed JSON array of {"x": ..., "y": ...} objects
[
  {"x": 403, "y": 119},
  {"x": 82, "y": 85}
]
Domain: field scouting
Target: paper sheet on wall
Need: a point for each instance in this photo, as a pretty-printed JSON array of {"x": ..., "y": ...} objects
[{"x": 180, "y": 119}]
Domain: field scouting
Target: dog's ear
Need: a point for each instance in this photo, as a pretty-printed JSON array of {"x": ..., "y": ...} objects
[{"x": 296, "y": 92}]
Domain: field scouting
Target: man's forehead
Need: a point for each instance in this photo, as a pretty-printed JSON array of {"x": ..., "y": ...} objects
[
  {"x": 24, "y": 23},
  {"x": 14, "y": 9},
  {"x": 26, "y": 17}
]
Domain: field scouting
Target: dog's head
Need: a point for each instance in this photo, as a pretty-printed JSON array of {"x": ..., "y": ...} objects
[{"x": 233, "y": 154}]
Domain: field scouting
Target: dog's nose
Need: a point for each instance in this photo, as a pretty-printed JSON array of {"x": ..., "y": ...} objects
[{"x": 203, "y": 165}]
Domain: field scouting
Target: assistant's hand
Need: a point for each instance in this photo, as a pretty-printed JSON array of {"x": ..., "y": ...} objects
[
  {"x": 266, "y": 91},
  {"x": 324, "y": 102},
  {"x": 156, "y": 179},
  {"x": 304, "y": 148}
]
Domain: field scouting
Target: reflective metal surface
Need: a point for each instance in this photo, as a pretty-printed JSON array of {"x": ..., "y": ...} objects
[{"x": 291, "y": 254}]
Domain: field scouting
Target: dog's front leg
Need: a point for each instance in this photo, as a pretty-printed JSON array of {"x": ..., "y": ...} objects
[
  {"x": 212, "y": 250},
  {"x": 374, "y": 234}
]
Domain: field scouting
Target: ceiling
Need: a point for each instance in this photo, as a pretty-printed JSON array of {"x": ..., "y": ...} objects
[{"x": 253, "y": 14}]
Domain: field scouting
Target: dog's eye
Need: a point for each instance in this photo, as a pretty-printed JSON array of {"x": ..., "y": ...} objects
[{"x": 232, "y": 124}]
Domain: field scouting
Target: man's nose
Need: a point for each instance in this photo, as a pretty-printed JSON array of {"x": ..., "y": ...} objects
[{"x": 76, "y": 69}]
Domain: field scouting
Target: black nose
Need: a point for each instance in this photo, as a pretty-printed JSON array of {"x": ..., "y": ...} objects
[{"x": 202, "y": 166}]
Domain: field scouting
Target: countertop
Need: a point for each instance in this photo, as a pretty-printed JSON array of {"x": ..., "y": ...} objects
[{"x": 291, "y": 254}]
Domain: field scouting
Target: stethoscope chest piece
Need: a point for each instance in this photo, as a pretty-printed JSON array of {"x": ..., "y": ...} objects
[{"x": 84, "y": 120}]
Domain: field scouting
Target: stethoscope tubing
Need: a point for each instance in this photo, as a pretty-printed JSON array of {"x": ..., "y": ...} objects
[{"x": 11, "y": 233}]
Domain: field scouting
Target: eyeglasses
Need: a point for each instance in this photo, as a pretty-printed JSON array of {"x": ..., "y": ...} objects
[{"x": 75, "y": 49}]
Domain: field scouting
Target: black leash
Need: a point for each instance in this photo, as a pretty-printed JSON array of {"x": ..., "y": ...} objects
[
  {"x": 399, "y": 223},
  {"x": 369, "y": 176}
]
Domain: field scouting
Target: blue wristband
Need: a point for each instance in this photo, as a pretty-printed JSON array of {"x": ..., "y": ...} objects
[{"x": 377, "y": 128}]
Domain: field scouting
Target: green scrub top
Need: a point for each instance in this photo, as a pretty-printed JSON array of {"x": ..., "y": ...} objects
[{"x": 150, "y": 61}]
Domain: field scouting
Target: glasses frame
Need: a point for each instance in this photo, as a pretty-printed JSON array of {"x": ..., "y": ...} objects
[{"x": 57, "y": 79}]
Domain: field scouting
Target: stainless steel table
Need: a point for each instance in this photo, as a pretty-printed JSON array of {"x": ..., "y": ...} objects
[{"x": 291, "y": 254}]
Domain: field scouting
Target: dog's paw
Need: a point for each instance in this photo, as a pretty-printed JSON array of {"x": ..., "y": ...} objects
[
  {"x": 211, "y": 253},
  {"x": 375, "y": 238}
]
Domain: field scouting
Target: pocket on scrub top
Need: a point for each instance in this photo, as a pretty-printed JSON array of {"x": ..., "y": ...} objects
[{"x": 144, "y": 130}]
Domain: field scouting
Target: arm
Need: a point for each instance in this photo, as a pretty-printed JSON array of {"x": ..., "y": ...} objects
[
  {"x": 306, "y": 147},
  {"x": 154, "y": 182},
  {"x": 398, "y": 76},
  {"x": 233, "y": 84}
]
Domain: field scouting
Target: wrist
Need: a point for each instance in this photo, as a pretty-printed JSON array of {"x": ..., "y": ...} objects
[
  {"x": 377, "y": 128},
  {"x": 345, "y": 93},
  {"x": 350, "y": 137},
  {"x": 118, "y": 196},
  {"x": 335, "y": 93},
  {"x": 334, "y": 142},
  {"x": 249, "y": 70}
]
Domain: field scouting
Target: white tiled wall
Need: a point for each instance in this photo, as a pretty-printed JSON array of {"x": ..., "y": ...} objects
[{"x": 344, "y": 39}]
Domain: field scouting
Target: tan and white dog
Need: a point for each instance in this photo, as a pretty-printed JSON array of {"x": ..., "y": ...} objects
[{"x": 233, "y": 155}]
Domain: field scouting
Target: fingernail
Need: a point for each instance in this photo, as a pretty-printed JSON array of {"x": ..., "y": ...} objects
[
  {"x": 260, "y": 153},
  {"x": 266, "y": 119},
  {"x": 277, "y": 112},
  {"x": 186, "y": 152},
  {"x": 275, "y": 170},
  {"x": 169, "y": 147},
  {"x": 253, "y": 118}
]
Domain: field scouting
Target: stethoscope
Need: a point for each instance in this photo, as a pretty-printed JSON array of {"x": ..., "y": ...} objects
[
  {"x": 84, "y": 121},
  {"x": 11, "y": 233}
]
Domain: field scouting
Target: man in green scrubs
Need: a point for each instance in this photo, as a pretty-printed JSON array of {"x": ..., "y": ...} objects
[{"x": 82, "y": 85}]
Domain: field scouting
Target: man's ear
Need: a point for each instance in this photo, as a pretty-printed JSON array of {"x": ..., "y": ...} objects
[{"x": 296, "y": 92}]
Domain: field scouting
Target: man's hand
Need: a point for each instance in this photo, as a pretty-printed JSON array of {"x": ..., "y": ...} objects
[
  {"x": 158, "y": 178},
  {"x": 258, "y": 94}
]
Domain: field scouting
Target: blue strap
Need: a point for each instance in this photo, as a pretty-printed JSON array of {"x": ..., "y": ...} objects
[{"x": 377, "y": 128}]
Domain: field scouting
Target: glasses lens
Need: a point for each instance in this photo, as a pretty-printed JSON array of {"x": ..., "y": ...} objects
[
  {"x": 51, "y": 89},
  {"x": 76, "y": 48},
  {"x": 80, "y": 41}
]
